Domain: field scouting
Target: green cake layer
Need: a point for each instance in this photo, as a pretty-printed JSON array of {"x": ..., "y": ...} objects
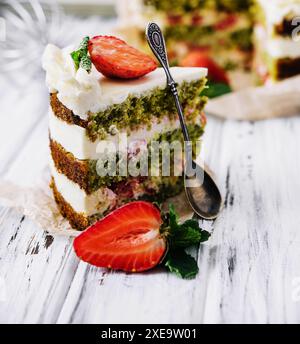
[
  {"x": 183, "y": 6},
  {"x": 84, "y": 172},
  {"x": 137, "y": 111}
]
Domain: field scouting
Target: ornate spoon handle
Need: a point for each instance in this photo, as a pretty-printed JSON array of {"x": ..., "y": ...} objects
[{"x": 157, "y": 44}]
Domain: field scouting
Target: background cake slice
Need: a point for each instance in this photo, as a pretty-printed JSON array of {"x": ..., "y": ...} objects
[
  {"x": 277, "y": 50},
  {"x": 257, "y": 36},
  {"x": 223, "y": 29},
  {"x": 142, "y": 108}
]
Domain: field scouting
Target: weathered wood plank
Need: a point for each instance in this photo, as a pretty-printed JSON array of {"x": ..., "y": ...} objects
[
  {"x": 21, "y": 112},
  {"x": 256, "y": 238},
  {"x": 37, "y": 269}
]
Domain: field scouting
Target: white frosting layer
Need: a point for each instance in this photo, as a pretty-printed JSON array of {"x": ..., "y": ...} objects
[
  {"x": 97, "y": 202},
  {"x": 78, "y": 90},
  {"x": 82, "y": 92},
  {"x": 281, "y": 48},
  {"x": 277, "y": 47},
  {"x": 117, "y": 91},
  {"x": 277, "y": 10},
  {"x": 74, "y": 139}
]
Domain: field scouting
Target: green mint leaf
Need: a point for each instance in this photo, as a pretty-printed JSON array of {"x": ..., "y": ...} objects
[
  {"x": 181, "y": 263},
  {"x": 205, "y": 235},
  {"x": 81, "y": 58},
  {"x": 183, "y": 235},
  {"x": 216, "y": 90},
  {"x": 173, "y": 217},
  {"x": 194, "y": 224},
  {"x": 86, "y": 63},
  {"x": 76, "y": 58},
  {"x": 179, "y": 237},
  {"x": 84, "y": 44}
]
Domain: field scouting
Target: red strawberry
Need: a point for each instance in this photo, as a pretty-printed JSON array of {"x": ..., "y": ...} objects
[
  {"x": 200, "y": 59},
  {"x": 175, "y": 19},
  {"x": 127, "y": 239},
  {"x": 226, "y": 23},
  {"x": 115, "y": 58},
  {"x": 197, "y": 19}
]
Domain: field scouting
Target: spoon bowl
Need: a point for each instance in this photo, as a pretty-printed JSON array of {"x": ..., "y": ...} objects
[{"x": 202, "y": 193}]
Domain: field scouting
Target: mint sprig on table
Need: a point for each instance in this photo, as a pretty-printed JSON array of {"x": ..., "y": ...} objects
[
  {"x": 81, "y": 58},
  {"x": 180, "y": 237}
]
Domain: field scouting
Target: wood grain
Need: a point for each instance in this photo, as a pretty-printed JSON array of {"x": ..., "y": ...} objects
[{"x": 247, "y": 270}]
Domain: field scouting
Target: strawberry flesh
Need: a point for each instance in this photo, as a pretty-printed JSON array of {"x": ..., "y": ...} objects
[
  {"x": 114, "y": 58},
  {"x": 202, "y": 59},
  {"x": 127, "y": 239}
]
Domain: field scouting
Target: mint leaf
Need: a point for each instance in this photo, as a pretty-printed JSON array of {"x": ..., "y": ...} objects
[
  {"x": 84, "y": 44},
  {"x": 205, "y": 235},
  {"x": 76, "y": 58},
  {"x": 181, "y": 263},
  {"x": 81, "y": 58},
  {"x": 179, "y": 237},
  {"x": 86, "y": 63},
  {"x": 194, "y": 224},
  {"x": 183, "y": 235},
  {"x": 173, "y": 217},
  {"x": 216, "y": 90}
]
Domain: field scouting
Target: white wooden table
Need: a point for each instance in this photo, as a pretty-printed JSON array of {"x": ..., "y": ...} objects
[{"x": 249, "y": 269}]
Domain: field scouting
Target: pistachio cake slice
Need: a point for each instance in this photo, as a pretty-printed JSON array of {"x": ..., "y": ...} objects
[
  {"x": 87, "y": 109},
  {"x": 277, "y": 55},
  {"x": 220, "y": 28}
]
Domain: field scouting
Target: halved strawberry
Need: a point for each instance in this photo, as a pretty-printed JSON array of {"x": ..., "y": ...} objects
[
  {"x": 115, "y": 58},
  {"x": 127, "y": 239},
  {"x": 202, "y": 59}
]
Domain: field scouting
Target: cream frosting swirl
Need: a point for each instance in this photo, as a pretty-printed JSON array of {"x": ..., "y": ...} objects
[{"x": 78, "y": 90}]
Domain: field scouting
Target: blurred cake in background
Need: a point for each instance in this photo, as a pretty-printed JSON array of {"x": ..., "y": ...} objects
[
  {"x": 277, "y": 50},
  {"x": 232, "y": 36},
  {"x": 222, "y": 29}
]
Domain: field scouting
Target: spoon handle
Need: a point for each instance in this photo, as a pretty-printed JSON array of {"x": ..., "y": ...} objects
[{"x": 157, "y": 44}]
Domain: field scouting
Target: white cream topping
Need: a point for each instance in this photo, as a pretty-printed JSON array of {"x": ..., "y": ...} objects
[
  {"x": 75, "y": 140},
  {"x": 82, "y": 92},
  {"x": 277, "y": 10},
  {"x": 97, "y": 202},
  {"x": 116, "y": 91},
  {"x": 79, "y": 90}
]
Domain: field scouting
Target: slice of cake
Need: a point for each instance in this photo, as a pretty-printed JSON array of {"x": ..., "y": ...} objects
[
  {"x": 277, "y": 47},
  {"x": 260, "y": 36},
  {"x": 221, "y": 28},
  {"x": 88, "y": 109}
]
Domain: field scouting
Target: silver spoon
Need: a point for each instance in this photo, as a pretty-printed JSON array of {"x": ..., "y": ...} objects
[{"x": 201, "y": 190}]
